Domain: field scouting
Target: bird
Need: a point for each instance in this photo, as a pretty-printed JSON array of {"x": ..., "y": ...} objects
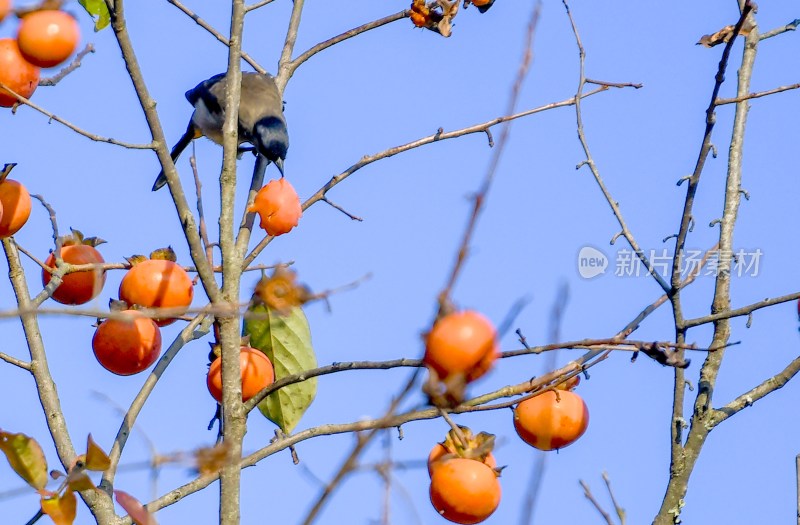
[{"x": 261, "y": 119}]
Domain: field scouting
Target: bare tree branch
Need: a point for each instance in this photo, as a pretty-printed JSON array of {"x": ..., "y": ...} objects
[
  {"x": 588, "y": 494},
  {"x": 739, "y": 312},
  {"x": 16, "y": 362},
  {"x": 684, "y": 455},
  {"x": 593, "y": 166},
  {"x": 750, "y": 397},
  {"x": 73, "y": 127},
  {"x": 219, "y": 36},
  {"x": 297, "y": 62},
  {"x": 72, "y": 66},
  {"x": 791, "y": 26},
  {"x": 723, "y": 101}
]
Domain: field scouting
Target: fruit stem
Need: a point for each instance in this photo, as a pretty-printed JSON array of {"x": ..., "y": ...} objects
[{"x": 462, "y": 440}]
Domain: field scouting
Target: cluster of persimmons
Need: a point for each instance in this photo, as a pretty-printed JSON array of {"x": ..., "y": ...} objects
[
  {"x": 460, "y": 348},
  {"x": 153, "y": 292},
  {"x": 45, "y": 38}
]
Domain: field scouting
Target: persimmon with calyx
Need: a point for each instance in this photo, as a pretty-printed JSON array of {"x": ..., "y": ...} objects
[
  {"x": 158, "y": 282},
  {"x": 461, "y": 343},
  {"x": 16, "y": 73},
  {"x": 551, "y": 420},
  {"x": 48, "y": 37},
  {"x": 77, "y": 287},
  {"x": 463, "y": 445},
  {"x": 278, "y": 207},
  {"x": 16, "y": 203},
  {"x": 464, "y": 490},
  {"x": 257, "y": 374},
  {"x": 128, "y": 345}
]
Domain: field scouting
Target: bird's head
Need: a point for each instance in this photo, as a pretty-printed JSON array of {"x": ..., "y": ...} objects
[{"x": 272, "y": 139}]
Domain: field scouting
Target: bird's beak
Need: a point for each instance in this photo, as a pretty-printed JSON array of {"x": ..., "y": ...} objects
[{"x": 279, "y": 164}]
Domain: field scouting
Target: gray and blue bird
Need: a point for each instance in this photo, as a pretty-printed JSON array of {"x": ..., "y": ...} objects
[{"x": 261, "y": 120}]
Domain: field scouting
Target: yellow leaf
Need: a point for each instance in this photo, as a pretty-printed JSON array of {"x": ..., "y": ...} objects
[
  {"x": 26, "y": 458},
  {"x": 80, "y": 482},
  {"x": 96, "y": 459},
  {"x": 62, "y": 509}
]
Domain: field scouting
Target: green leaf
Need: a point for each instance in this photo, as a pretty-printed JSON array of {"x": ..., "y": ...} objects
[
  {"x": 286, "y": 339},
  {"x": 26, "y": 458},
  {"x": 99, "y": 12}
]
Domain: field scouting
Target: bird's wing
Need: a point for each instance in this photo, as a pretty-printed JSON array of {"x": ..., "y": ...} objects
[
  {"x": 210, "y": 91},
  {"x": 261, "y": 99}
]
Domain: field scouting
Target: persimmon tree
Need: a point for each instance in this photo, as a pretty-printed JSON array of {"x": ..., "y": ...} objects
[{"x": 237, "y": 285}]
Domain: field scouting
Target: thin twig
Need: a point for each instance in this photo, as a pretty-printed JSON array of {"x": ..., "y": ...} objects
[
  {"x": 14, "y": 361},
  {"x": 285, "y": 70},
  {"x": 797, "y": 484},
  {"x": 216, "y": 34},
  {"x": 791, "y": 26},
  {"x": 248, "y": 217},
  {"x": 257, "y": 5},
  {"x": 739, "y": 312},
  {"x": 613, "y": 84},
  {"x": 723, "y": 101},
  {"x": 590, "y": 160},
  {"x": 540, "y": 464},
  {"x": 617, "y": 508},
  {"x": 73, "y": 127},
  {"x": 750, "y": 397},
  {"x": 297, "y": 62},
  {"x": 335, "y": 206},
  {"x": 462, "y": 440},
  {"x": 588, "y": 493},
  {"x": 75, "y": 64},
  {"x": 201, "y": 216}
]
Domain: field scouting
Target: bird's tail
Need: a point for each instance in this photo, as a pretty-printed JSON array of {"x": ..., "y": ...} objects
[{"x": 191, "y": 133}]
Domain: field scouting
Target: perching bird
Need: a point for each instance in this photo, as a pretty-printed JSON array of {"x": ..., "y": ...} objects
[{"x": 261, "y": 120}]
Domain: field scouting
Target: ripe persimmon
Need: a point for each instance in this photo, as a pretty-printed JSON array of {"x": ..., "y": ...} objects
[
  {"x": 257, "y": 374},
  {"x": 464, "y": 490},
  {"x": 5, "y": 8},
  {"x": 157, "y": 283},
  {"x": 127, "y": 346},
  {"x": 461, "y": 343},
  {"x": 278, "y": 206},
  {"x": 77, "y": 287},
  {"x": 16, "y": 73},
  {"x": 15, "y": 200},
  {"x": 439, "y": 451},
  {"x": 47, "y": 38},
  {"x": 551, "y": 420}
]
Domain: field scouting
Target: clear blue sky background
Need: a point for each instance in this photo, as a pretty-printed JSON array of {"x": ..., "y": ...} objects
[{"x": 385, "y": 88}]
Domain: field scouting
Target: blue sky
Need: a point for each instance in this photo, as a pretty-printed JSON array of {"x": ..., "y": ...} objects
[{"x": 388, "y": 87}]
